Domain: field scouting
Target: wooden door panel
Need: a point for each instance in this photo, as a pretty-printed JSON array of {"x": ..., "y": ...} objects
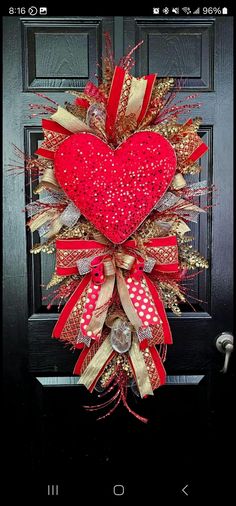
[
  {"x": 178, "y": 48},
  {"x": 62, "y": 53}
]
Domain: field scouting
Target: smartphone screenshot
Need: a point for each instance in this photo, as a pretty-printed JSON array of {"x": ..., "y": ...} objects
[{"x": 118, "y": 252}]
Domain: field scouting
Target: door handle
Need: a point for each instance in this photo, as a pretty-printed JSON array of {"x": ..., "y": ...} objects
[{"x": 225, "y": 344}]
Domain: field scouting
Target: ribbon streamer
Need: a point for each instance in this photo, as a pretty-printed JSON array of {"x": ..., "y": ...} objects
[
  {"x": 140, "y": 370},
  {"x": 128, "y": 95},
  {"x": 97, "y": 364}
]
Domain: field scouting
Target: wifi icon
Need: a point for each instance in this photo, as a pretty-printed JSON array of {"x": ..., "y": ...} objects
[{"x": 186, "y": 10}]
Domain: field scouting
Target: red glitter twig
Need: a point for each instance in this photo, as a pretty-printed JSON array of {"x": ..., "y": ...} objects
[
  {"x": 127, "y": 62},
  {"x": 121, "y": 381},
  {"x": 46, "y": 97},
  {"x": 103, "y": 404},
  {"x": 108, "y": 49},
  {"x": 63, "y": 293},
  {"x": 140, "y": 418},
  {"x": 111, "y": 410},
  {"x": 42, "y": 109}
]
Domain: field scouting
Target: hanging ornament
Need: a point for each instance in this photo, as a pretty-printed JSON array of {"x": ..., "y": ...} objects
[{"x": 121, "y": 336}]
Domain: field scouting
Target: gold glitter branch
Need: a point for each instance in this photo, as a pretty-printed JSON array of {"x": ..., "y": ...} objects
[
  {"x": 47, "y": 247},
  {"x": 162, "y": 87},
  {"x": 191, "y": 259},
  {"x": 171, "y": 296}
]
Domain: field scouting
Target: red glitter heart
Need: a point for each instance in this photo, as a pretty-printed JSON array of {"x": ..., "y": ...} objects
[{"x": 115, "y": 189}]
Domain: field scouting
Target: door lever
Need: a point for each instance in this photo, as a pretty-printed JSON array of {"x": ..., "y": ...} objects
[{"x": 225, "y": 344}]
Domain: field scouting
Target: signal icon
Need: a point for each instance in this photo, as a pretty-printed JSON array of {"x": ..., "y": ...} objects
[
  {"x": 186, "y": 10},
  {"x": 197, "y": 11}
]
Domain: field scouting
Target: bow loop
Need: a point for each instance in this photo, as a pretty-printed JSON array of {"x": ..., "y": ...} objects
[
  {"x": 97, "y": 270},
  {"x": 137, "y": 269}
]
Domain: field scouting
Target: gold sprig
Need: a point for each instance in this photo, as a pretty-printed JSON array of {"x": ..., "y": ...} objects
[
  {"x": 125, "y": 126},
  {"x": 108, "y": 373},
  {"x": 149, "y": 229},
  {"x": 107, "y": 70},
  {"x": 185, "y": 239},
  {"x": 168, "y": 128},
  {"x": 162, "y": 87},
  {"x": 191, "y": 259},
  {"x": 157, "y": 101},
  {"x": 48, "y": 247},
  {"x": 140, "y": 245},
  {"x": 105, "y": 88},
  {"x": 149, "y": 118},
  {"x": 171, "y": 296},
  {"x": 82, "y": 231},
  {"x": 120, "y": 361},
  {"x": 196, "y": 122},
  {"x": 55, "y": 280},
  {"x": 82, "y": 95},
  {"x": 190, "y": 169},
  {"x": 107, "y": 75}
]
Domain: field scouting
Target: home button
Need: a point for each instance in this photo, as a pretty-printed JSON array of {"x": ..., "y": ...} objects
[{"x": 118, "y": 490}]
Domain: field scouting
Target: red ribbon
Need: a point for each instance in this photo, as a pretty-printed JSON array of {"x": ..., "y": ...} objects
[
  {"x": 116, "y": 97},
  {"x": 57, "y": 132}
]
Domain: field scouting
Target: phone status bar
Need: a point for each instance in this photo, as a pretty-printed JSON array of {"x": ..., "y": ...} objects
[
  {"x": 190, "y": 11},
  {"x": 162, "y": 10}
]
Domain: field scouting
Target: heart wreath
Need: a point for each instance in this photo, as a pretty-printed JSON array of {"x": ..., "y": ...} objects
[
  {"x": 131, "y": 179},
  {"x": 113, "y": 203}
]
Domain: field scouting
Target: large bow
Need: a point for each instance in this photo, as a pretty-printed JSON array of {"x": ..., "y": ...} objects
[
  {"x": 87, "y": 308},
  {"x": 83, "y": 316},
  {"x": 82, "y": 319}
]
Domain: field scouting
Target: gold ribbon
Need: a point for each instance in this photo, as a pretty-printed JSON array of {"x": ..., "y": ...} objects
[
  {"x": 48, "y": 180},
  {"x": 103, "y": 354},
  {"x": 49, "y": 177},
  {"x": 124, "y": 261},
  {"x": 97, "y": 321},
  {"x": 109, "y": 267},
  {"x": 126, "y": 300},
  {"x": 140, "y": 369},
  {"x": 42, "y": 218},
  {"x": 69, "y": 121},
  {"x": 136, "y": 96},
  {"x": 97, "y": 236},
  {"x": 55, "y": 227},
  {"x": 97, "y": 363},
  {"x": 178, "y": 182}
]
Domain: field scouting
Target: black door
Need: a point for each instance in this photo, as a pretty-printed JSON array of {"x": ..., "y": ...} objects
[{"x": 53, "y": 445}]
